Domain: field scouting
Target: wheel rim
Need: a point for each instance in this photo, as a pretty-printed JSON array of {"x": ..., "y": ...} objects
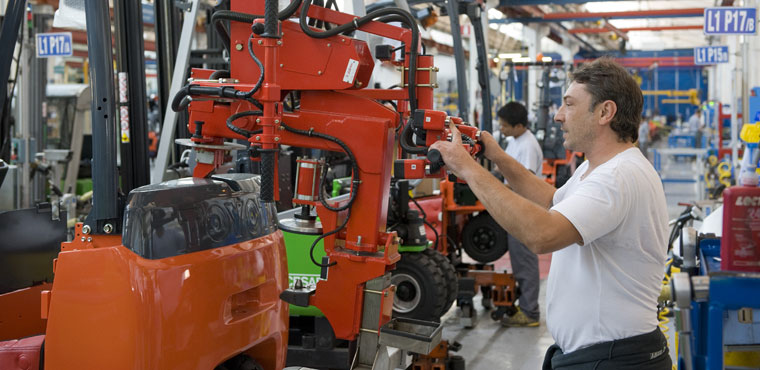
[
  {"x": 407, "y": 296},
  {"x": 484, "y": 239}
]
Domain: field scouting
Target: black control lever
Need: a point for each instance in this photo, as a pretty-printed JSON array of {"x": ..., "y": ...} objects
[{"x": 436, "y": 160}]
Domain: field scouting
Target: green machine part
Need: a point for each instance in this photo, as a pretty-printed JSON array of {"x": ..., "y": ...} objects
[{"x": 301, "y": 268}]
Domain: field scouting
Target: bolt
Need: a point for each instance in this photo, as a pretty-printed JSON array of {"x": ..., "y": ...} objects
[
  {"x": 319, "y": 73},
  {"x": 86, "y": 229},
  {"x": 279, "y": 42},
  {"x": 238, "y": 46},
  {"x": 328, "y": 44},
  {"x": 342, "y": 40},
  {"x": 258, "y": 120},
  {"x": 258, "y": 137},
  {"x": 359, "y": 239},
  {"x": 276, "y": 122},
  {"x": 276, "y": 139},
  {"x": 107, "y": 228},
  {"x": 89, "y": 239},
  {"x": 261, "y": 42},
  {"x": 83, "y": 239},
  {"x": 282, "y": 65}
]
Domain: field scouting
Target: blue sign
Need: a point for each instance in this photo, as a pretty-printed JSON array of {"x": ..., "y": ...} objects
[
  {"x": 149, "y": 15},
  {"x": 704, "y": 55},
  {"x": 56, "y": 44},
  {"x": 730, "y": 21}
]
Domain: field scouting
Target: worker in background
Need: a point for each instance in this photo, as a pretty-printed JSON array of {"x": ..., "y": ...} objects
[
  {"x": 695, "y": 126},
  {"x": 606, "y": 227},
  {"x": 523, "y": 147},
  {"x": 644, "y": 136}
]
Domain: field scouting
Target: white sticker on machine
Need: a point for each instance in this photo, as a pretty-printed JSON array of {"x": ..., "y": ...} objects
[{"x": 350, "y": 74}]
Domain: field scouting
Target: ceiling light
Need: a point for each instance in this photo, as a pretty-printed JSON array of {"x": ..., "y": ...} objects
[
  {"x": 521, "y": 60},
  {"x": 546, "y": 59}
]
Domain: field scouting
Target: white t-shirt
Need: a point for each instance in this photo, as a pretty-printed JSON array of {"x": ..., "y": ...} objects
[
  {"x": 695, "y": 123},
  {"x": 607, "y": 289},
  {"x": 525, "y": 149}
]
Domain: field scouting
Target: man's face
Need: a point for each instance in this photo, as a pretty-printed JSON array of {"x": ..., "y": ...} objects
[
  {"x": 578, "y": 120},
  {"x": 505, "y": 128}
]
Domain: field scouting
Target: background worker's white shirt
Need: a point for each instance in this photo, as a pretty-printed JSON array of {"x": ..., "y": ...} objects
[
  {"x": 525, "y": 149},
  {"x": 607, "y": 289}
]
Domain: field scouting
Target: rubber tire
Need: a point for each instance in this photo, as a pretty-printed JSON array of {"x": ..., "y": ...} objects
[
  {"x": 449, "y": 276},
  {"x": 483, "y": 239},
  {"x": 423, "y": 270},
  {"x": 455, "y": 363}
]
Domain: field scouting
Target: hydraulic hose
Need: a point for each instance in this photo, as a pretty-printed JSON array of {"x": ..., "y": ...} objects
[
  {"x": 221, "y": 73},
  {"x": 238, "y": 130},
  {"x": 267, "y": 174},
  {"x": 227, "y": 15},
  {"x": 402, "y": 15},
  {"x": 270, "y": 18},
  {"x": 354, "y": 186}
]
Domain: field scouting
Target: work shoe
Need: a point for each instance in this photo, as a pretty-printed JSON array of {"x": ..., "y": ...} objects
[{"x": 519, "y": 319}]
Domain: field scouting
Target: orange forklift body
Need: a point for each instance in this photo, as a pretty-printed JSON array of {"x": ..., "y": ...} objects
[{"x": 110, "y": 308}]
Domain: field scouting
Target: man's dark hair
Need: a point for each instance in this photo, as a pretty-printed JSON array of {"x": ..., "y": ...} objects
[
  {"x": 514, "y": 114},
  {"x": 607, "y": 80}
]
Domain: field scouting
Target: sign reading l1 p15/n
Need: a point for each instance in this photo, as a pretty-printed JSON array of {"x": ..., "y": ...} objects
[
  {"x": 710, "y": 55},
  {"x": 730, "y": 21},
  {"x": 56, "y": 44}
]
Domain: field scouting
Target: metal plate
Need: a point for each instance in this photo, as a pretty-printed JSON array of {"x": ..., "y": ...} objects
[
  {"x": 297, "y": 226},
  {"x": 225, "y": 146}
]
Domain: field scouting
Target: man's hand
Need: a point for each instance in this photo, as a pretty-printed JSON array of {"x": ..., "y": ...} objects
[
  {"x": 456, "y": 157},
  {"x": 492, "y": 146}
]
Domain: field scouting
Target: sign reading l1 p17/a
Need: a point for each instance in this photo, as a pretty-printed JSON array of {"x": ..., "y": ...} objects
[
  {"x": 710, "y": 55},
  {"x": 56, "y": 44},
  {"x": 730, "y": 21}
]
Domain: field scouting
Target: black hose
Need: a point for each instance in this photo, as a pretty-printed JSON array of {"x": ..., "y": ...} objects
[
  {"x": 221, "y": 73},
  {"x": 425, "y": 221},
  {"x": 406, "y": 140},
  {"x": 354, "y": 185},
  {"x": 316, "y": 241},
  {"x": 352, "y": 159},
  {"x": 228, "y": 15},
  {"x": 267, "y": 174},
  {"x": 404, "y": 16},
  {"x": 270, "y": 19},
  {"x": 238, "y": 130},
  {"x": 261, "y": 70}
]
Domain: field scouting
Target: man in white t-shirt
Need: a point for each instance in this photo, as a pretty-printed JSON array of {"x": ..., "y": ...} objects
[
  {"x": 606, "y": 227},
  {"x": 524, "y": 148}
]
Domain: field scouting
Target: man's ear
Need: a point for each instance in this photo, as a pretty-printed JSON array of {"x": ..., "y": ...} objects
[{"x": 608, "y": 111}]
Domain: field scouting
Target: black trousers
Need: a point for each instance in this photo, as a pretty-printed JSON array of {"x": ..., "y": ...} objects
[{"x": 642, "y": 352}]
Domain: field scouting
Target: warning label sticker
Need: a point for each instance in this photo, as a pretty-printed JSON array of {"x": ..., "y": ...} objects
[{"x": 353, "y": 66}]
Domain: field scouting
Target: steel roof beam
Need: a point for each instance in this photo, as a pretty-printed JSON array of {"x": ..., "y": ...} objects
[
  {"x": 635, "y": 29},
  {"x": 586, "y": 16}
]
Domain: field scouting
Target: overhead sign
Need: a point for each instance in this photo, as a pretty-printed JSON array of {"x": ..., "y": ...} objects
[
  {"x": 704, "y": 55},
  {"x": 56, "y": 44},
  {"x": 730, "y": 21}
]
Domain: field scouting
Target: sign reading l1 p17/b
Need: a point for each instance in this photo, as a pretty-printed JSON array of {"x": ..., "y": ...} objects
[
  {"x": 56, "y": 44},
  {"x": 710, "y": 55},
  {"x": 730, "y": 21}
]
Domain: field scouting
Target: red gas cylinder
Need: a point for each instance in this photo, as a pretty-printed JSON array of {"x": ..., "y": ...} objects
[
  {"x": 740, "y": 244},
  {"x": 308, "y": 178}
]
